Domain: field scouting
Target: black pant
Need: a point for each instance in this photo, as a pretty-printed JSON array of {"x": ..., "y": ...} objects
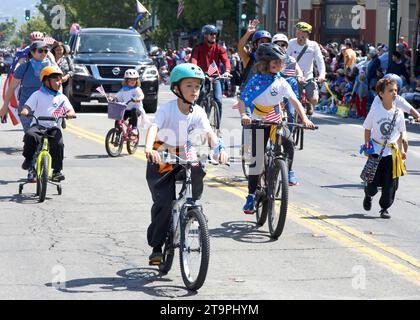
[
  {"x": 258, "y": 150},
  {"x": 33, "y": 137},
  {"x": 383, "y": 178},
  {"x": 162, "y": 200},
  {"x": 133, "y": 114}
]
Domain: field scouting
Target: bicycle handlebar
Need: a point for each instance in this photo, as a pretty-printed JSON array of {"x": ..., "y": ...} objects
[
  {"x": 170, "y": 158},
  {"x": 282, "y": 124},
  {"x": 220, "y": 77},
  {"x": 42, "y": 118}
]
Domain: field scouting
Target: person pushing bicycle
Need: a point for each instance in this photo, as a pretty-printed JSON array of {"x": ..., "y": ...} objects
[
  {"x": 48, "y": 101},
  {"x": 260, "y": 99},
  {"x": 174, "y": 124}
]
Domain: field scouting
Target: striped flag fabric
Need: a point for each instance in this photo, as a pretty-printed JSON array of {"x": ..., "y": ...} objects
[
  {"x": 212, "y": 69},
  {"x": 101, "y": 90},
  {"x": 49, "y": 40},
  {"x": 13, "y": 104},
  {"x": 190, "y": 152},
  {"x": 180, "y": 8},
  {"x": 59, "y": 111},
  {"x": 274, "y": 115}
]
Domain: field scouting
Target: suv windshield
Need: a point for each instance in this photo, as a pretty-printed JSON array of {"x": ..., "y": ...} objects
[{"x": 110, "y": 43}]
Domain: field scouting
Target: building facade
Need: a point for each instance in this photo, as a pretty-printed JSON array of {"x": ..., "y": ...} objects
[{"x": 335, "y": 20}]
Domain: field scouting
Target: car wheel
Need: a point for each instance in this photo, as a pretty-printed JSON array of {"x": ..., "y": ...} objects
[{"x": 150, "y": 106}]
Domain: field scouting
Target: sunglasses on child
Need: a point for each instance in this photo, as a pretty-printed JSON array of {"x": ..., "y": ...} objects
[{"x": 42, "y": 50}]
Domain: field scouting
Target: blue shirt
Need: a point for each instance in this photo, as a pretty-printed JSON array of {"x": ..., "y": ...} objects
[{"x": 29, "y": 82}]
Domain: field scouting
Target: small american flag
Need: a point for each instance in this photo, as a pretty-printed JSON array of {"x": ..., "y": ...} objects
[
  {"x": 180, "y": 8},
  {"x": 49, "y": 40},
  {"x": 59, "y": 111},
  {"x": 190, "y": 152},
  {"x": 289, "y": 72},
  {"x": 274, "y": 115},
  {"x": 101, "y": 90},
  {"x": 212, "y": 69}
]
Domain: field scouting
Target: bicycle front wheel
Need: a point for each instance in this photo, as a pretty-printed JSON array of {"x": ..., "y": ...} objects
[
  {"x": 298, "y": 134},
  {"x": 114, "y": 142},
  {"x": 261, "y": 201},
  {"x": 42, "y": 180},
  {"x": 214, "y": 117},
  {"x": 194, "y": 249},
  {"x": 278, "y": 197},
  {"x": 168, "y": 254}
]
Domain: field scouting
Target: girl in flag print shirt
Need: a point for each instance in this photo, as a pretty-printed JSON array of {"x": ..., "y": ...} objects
[
  {"x": 260, "y": 100},
  {"x": 48, "y": 101},
  {"x": 173, "y": 130}
]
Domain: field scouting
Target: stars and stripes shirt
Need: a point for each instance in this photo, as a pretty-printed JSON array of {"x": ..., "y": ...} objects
[
  {"x": 290, "y": 67},
  {"x": 263, "y": 93}
]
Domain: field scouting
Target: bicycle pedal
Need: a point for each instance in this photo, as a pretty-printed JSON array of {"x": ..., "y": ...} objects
[{"x": 155, "y": 263}]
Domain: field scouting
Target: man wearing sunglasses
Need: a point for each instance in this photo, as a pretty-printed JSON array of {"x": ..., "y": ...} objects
[{"x": 204, "y": 54}]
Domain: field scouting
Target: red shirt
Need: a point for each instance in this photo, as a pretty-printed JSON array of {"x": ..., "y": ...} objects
[{"x": 203, "y": 56}]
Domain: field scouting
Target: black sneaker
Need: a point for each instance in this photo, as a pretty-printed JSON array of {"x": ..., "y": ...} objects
[
  {"x": 58, "y": 176},
  {"x": 156, "y": 257},
  {"x": 367, "y": 203},
  {"x": 385, "y": 214},
  {"x": 309, "y": 110},
  {"x": 26, "y": 165}
]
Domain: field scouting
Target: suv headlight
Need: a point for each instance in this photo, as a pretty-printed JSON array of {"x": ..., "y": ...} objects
[
  {"x": 149, "y": 74},
  {"x": 81, "y": 70}
]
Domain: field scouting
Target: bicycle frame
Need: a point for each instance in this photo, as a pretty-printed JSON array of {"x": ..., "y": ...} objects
[
  {"x": 44, "y": 152},
  {"x": 126, "y": 129}
]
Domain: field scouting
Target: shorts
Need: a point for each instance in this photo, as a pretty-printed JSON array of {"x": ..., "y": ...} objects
[{"x": 311, "y": 89}]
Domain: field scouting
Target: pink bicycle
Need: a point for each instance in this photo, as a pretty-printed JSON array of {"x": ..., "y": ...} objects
[{"x": 122, "y": 132}]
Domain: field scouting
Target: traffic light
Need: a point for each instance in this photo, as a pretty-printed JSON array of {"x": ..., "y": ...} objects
[
  {"x": 27, "y": 15},
  {"x": 243, "y": 11}
]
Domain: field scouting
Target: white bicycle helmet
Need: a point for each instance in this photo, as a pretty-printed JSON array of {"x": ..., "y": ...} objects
[
  {"x": 280, "y": 37},
  {"x": 131, "y": 74}
]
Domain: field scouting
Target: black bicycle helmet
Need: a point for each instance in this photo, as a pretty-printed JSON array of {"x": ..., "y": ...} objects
[{"x": 270, "y": 51}]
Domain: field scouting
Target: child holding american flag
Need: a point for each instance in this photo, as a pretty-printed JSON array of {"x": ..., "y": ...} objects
[
  {"x": 48, "y": 101},
  {"x": 260, "y": 100}
]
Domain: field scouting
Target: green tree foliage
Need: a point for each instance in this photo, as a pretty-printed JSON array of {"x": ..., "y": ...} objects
[{"x": 35, "y": 24}]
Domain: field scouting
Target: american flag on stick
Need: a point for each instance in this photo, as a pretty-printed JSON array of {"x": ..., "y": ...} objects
[
  {"x": 59, "y": 111},
  {"x": 101, "y": 90},
  {"x": 212, "y": 69},
  {"x": 190, "y": 152},
  {"x": 180, "y": 8},
  {"x": 274, "y": 115}
]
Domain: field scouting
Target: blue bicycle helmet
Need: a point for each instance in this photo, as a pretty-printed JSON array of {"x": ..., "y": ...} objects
[
  {"x": 209, "y": 28},
  {"x": 261, "y": 34},
  {"x": 396, "y": 78}
]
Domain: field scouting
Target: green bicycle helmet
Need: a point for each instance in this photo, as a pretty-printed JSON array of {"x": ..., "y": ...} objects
[
  {"x": 184, "y": 71},
  {"x": 304, "y": 26}
]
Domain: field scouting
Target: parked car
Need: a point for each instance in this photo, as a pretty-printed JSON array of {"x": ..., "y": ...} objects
[
  {"x": 101, "y": 56},
  {"x": 5, "y": 63}
]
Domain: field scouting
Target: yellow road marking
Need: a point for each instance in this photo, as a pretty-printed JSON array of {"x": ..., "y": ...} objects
[{"x": 323, "y": 225}]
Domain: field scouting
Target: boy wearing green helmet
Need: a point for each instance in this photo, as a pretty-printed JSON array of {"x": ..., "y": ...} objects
[{"x": 175, "y": 123}]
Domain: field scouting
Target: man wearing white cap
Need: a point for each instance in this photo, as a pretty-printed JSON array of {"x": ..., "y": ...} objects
[{"x": 373, "y": 66}]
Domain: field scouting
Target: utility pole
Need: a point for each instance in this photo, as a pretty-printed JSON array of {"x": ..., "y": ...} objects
[
  {"x": 414, "y": 55},
  {"x": 393, "y": 17}
]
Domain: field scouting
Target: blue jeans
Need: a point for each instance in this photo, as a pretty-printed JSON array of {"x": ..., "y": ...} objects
[
  {"x": 289, "y": 108},
  {"x": 217, "y": 94}
]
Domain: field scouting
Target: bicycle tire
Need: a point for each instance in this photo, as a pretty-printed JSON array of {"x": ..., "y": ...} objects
[
  {"x": 43, "y": 179},
  {"x": 133, "y": 142},
  {"x": 214, "y": 117},
  {"x": 113, "y": 138},
  {"x": 261, "y": 208},
  {"x": 245, "y": 165},
  {"x": 298, "y": 134},
  {"x": 168, "y": 254},
  {"x": 278, "y": 202},
  {"x": 194, "y": 280}
]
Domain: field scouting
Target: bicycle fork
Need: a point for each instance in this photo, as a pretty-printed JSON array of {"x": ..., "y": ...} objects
[{"x": 44, "y": 152}]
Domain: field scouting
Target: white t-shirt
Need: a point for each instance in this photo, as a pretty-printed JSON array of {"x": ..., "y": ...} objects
[
  {"x": 400, "y": 103},
  {"x": 175, "y": 128},
  {"x": 124, "y": 96},
  {"x": 45, "y": 105},
  {"x": 378, "y": 121},
  {"x": 274, "y": 94},
  {"x": 306, "y": 62}
]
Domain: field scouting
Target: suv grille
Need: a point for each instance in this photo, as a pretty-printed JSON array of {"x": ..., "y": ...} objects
[{"x": 106, "y": 71}]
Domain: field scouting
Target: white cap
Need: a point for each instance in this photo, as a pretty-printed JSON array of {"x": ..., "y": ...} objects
[
  {"x": 373, "y": 50},
  {"x": 280, "y": 37}
]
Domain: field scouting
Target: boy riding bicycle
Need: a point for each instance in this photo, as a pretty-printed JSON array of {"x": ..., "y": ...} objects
[
  {"x": 47, "y": 101},
  {"x": 261, "y": 96},
  {"x": 175, "y": 122}
]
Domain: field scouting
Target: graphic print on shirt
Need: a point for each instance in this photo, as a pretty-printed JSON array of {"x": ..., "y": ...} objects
[{"x": 384, "y": 127}]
